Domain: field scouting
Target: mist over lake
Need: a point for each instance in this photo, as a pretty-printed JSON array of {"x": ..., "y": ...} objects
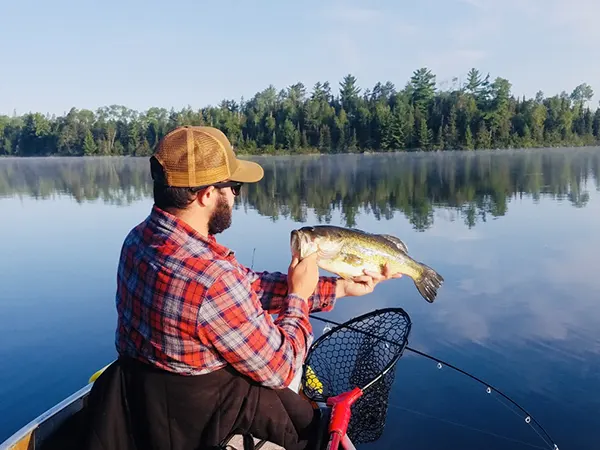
[{"x": 515, "y": 234}]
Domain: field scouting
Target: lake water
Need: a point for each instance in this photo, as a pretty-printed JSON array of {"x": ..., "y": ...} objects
[{"x": 514, "y": 233}]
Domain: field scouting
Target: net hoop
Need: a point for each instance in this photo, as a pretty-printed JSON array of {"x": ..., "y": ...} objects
[{"x": 363, "y": 353}]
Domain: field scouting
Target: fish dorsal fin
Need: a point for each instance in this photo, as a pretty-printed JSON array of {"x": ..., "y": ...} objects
[{"x": 397, "y": 242}]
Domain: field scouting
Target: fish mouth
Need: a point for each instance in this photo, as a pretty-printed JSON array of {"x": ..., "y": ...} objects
[
  {"x": 295, "y": 243},
  {"x": 301, "y": 242}
]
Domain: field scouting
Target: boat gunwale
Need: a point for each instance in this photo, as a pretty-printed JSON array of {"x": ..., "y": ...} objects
[{"x": 64, "y": 407}]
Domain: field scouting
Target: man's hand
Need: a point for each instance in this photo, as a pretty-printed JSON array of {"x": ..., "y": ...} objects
[
  {"x": 303, "y": 276},
  {"x": 364, "y": 284}
]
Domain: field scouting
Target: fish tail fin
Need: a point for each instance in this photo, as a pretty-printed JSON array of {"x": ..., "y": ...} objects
[{"x": 428, "y": 283}]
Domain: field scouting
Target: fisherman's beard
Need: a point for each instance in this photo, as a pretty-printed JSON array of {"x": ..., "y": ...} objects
[{"x": 220, "y": 219}]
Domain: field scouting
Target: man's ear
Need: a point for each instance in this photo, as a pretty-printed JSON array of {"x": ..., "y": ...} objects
[{"x": 206, "y": 196}]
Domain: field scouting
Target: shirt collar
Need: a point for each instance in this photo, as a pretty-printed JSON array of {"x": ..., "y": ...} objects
[{"x": 173, "y": 224}]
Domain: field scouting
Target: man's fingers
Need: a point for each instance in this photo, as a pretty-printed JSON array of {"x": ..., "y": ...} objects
[
  {"x": 312, "y": 256},
  {"x": 374, "y": 275},
  {"x": 310, "y": 259},
  {"x": 386, "y": 271},
  {"x": 362, "y": 279},
  {"x": 387, "y": 274}
]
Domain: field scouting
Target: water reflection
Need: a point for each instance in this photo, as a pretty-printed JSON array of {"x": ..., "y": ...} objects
[
  {"x": 519, "y": 306},
  {"x": 473, "y": 185}
]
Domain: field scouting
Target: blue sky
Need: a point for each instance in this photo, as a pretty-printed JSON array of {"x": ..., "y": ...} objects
[{"x": 140, "y": 54}]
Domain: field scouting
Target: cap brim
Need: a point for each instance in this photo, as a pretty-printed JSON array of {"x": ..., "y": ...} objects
[{"x": 247, "y": 172}]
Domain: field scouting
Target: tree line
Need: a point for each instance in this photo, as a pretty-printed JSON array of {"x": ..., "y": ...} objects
[
  {"x": 470, "y": 186},
  {"x": 480, "y": 113}
]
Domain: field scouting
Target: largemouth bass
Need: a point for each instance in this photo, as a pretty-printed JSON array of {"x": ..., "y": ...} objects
[{"x": 347, "y": 252}]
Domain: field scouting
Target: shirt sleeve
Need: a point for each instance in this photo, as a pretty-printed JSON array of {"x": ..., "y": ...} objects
[
  {"x": 271, "y": 288},
  {"x": 268, "y": 351}
]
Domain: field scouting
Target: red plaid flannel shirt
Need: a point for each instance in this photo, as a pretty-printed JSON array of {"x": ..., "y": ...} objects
[{"x": 186, "y": 305}]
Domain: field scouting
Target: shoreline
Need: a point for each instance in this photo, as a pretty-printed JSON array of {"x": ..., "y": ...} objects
[{"x": 243, "y": 154}]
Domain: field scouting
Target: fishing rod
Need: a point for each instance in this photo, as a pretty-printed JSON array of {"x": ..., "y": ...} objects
[{"x": 489, "y": 387}]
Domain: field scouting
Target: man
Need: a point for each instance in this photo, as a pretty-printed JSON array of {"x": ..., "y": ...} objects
[{"x": 199, "y": 352}]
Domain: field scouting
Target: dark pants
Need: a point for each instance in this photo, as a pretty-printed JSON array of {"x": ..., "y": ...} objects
[{"x": 135, "y": 406}]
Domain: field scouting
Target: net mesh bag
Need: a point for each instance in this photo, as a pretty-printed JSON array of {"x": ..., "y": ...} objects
[{"x": 359, "y": 353}]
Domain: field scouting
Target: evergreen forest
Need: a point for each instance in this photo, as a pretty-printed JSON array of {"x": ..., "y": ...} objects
[{"x": 478, "y": 113}]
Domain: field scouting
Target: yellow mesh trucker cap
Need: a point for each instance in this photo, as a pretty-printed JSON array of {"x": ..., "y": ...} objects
[{"x": 193, "y": 156}]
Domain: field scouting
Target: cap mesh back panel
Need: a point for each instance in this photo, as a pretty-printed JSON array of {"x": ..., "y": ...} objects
[
  {"x": 174, "y": 153},
  {"x": 209, "y": 163},
  {"x": 211, "y": 155}
]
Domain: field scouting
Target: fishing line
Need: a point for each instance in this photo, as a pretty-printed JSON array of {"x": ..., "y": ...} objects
[
  {"x": 499, "y": 436},
  {"x": 549, "y": 444},
  {"x": 489, "y": 388}
]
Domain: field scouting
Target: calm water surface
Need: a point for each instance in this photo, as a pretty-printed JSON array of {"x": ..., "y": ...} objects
[{"x": 515, "y": 234}]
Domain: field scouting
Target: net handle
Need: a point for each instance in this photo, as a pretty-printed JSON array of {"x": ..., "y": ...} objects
[{"x": 340, "y": 415}]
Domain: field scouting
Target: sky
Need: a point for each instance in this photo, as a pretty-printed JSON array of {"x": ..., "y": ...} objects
[{"x": 62, "y": 54}]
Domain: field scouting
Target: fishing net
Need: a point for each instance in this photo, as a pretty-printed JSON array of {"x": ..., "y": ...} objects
[{"x": 359, "y": 353}]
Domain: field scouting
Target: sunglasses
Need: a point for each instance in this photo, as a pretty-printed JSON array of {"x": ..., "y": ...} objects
[{"x": 235, "y": 186}]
